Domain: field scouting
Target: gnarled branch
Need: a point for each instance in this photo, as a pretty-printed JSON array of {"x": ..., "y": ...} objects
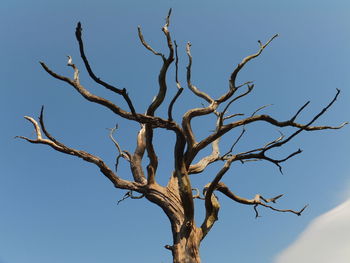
[{"x": 58, "y": 146}]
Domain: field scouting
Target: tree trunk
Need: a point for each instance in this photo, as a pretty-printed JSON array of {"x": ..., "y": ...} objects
[
  {"x": 186, "y": 236},
  {"x": 186, "y": 250}
]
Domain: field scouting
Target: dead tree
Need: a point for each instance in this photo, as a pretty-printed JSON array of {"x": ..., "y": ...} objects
[{"x": 177, "y": 197}]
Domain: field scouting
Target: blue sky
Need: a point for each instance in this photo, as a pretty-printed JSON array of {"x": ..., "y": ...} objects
[{"x": 56, "y": 208}]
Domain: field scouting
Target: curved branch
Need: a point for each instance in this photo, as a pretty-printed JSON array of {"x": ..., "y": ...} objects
[
  {"x": 159, "y": 98},
  {"x": 134, "y": 160},
  {"x": 193, "y": 146},
  {"x": 140, "y": 118},
  {"x": 212, "y": 205},
  {"x": 234, "y": 74},
  {"x": 212, "y": 212},
  {"x": 129, "y": 194},
  {"x": 307, "y": 126},
  {"x": 122, "y": 92},
  {"x": 157, "y": 101},
  {"x": 213, "y": 157},
  {"x": 187, "y": 128},
  {"x": 250, "y": 88},
  {"x": 178, "y": 85},
  {"x": 203, "y": 163},
  {"x": 146, "y": 45},
  {"x": 42, "y": 124},
  {"x": 243, "y": 132},
  {"x": 136, "y": 163},
  {"x": 197, "y": 195},
  {"x": 186, "y": 122},
  {"x": 256, "y": 201},
  {"x": 58, "y": 146},
  {"x": 193, "y": 88},
  {"x": 123, "y": 154},
  {"x": 266, "y": 118}
]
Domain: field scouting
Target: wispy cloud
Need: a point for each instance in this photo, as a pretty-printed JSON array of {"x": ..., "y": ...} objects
[{"x": 325, "y": 240}]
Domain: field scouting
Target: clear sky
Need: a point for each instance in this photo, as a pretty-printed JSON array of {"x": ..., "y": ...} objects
[{"x": 56, "y": 208}]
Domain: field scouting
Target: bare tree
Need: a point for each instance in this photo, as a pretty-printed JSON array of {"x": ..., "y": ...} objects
[{"x": 177, "y": 197}]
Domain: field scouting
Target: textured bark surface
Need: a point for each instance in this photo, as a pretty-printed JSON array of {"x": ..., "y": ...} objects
[
  {"x": 176, "y": 198},
  {"x": 187, "y": 249}
]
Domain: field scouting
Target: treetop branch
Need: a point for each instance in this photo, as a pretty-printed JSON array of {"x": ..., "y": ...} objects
[
  {"x": 123, "y": 92},
  {"x": 178, "y": 85},
  {"x": 155, "y": 121},
  {"x": 266, "y": 118},
  {"x": 232, "y": 81},
  {"x": 193, "y": 88}
]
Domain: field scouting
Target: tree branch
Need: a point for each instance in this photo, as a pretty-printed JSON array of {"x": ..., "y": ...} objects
[
  {"x": 307, "y": 126},
  {"x": 213, "y": 157},
  {"x": 186, "y": 122},
  {"x": 58, "y": 146},
  {"x": 258, "y": 200},
  {"x": 129, "y": 194},
  {"x": 147, "y": 46},
  {"x": 204, "y": 162},
  {"x": 122, "y": 92},
  {"x": 157, "y": 101},
  {"x": 163, "y": 71},
  {"x": 266, "y": 118},
  {"x": 193, "y": 88},
  {"x": 232, "y": 81},
  {"x": 212, "y": 205},
  {"x": 250, "y": 88},
  {"x": 178, "y": 85},
  {"x": 156, "y": 122}
]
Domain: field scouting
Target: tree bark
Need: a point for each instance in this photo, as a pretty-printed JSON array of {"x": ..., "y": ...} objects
[{"x": 186, "y": 250}]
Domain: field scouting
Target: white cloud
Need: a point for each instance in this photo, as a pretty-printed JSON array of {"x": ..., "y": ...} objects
[{"x": 325, "y": 240}]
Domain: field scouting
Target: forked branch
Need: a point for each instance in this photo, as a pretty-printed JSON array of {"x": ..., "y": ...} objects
[
  {"x": 192, "y": 87},
  {"x": 140, "y": 118},
  {"x": 266, "y": 118},
  {"x": 159, "y": 98},
  {"x": 193, "y": 146},
  {"x": 256, "y": 201},
  {"x": 58, "y": 146},
  {"x": 232, "y": 81}
]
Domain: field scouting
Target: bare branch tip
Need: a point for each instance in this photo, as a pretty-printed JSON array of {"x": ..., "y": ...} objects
[
  {"x": 41, "y": 112},
  {"x": 42, "y": 63},
  {"x": 302, "y": 210},
  {"x": 275, "y": 198},
  {"x": 280, "y": 169},
  {"x": 78, "y": 30}
]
